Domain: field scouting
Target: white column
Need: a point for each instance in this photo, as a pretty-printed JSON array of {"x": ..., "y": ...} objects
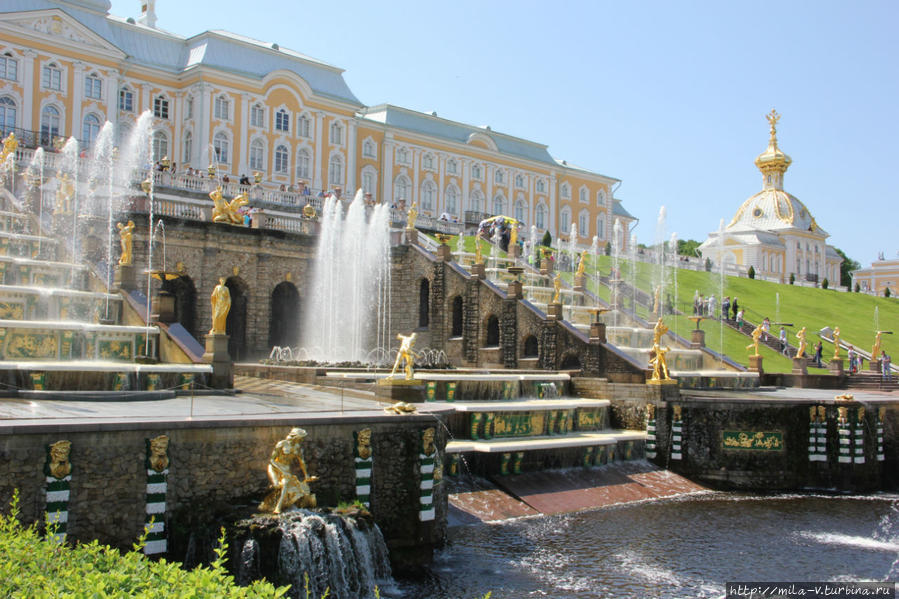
[
  {"x": 466, "y": 183},
  {"x": 29, "y": 96},
  {"x": 320, "y": 140},
  {"x": 204, "y": 116},
  {"x": 441, "y": 172},
  {"x": 552, "y": 208},
  {"x": 243, "y": 167},
  {"x": 112, "y": 95},
  {"x": 416, "y": 163},
  {"x": 178, "y": 122},
  {"x": 77, "y": 96},
  {"x": 146, "y": 102},
  {"x": 351, "y": 159},
  {"x": 387, "y": 169},
  {"x": 489, "y": 174}
]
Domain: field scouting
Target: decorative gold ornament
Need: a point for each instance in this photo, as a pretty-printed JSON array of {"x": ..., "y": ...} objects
[
  {"x": 401, "y": 407},
  {"x": 288, "y": 276},
  {"x": 159, "y": 458},
  {"x": 427, "y": 441},
  {"x": 235, "y": 270},
  {"x": 677, "y": 412},
  {"x": 756, "y": 335},
  {"x": 875, "y": 350},
  {"x": 803, "y": 345},
  {"x": 10, "y": 145},
  {"x": 557, "y": 288},
  {"x": 860, "y": 415},
  {"x": 65, "y": 190},
  {"x": 405, "y": 355},
  {"x": 582, "y": 263},
  {"x": 411, "y": 215},
  {"x": 180, "y": 268},
  {"x": 658, "y": 331},
  {"x": 221, "y": 305},
  {"x": 843, "y": 414},
  {"x": 126, "y": 240},
  {"x": 289, "y": 491},
  {"x": 836, "y": 343},
  {"x": 659, "y": 363},
  {"x": 822, "y": 413},
  {"x": 650, "y": 411},
  {"x": 363, "y": 443},
  {"x": 59, "y": 464},
  {"x": 227, "y": 212}
]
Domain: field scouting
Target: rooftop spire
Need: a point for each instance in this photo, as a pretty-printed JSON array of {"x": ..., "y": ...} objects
[{"x": 773, "y": 162}]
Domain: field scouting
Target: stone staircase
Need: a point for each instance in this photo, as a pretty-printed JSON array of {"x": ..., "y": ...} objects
[{"x": 871, "y": 381}]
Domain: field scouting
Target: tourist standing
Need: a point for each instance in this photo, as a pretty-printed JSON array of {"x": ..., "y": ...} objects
[
  {"x": 783, "y": 341},
  {"x": 885, "y": 366},
  {"x": 725, "y": 307},
  {"x": 712, "y": 303},
  {"x": 734, "y": 306},
  {"x": 853, "y": 360},
  {"x": 739, "y": 317},
  {"x": 819, "y": 350}
]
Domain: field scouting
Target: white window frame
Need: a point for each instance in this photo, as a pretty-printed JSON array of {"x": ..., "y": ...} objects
[
  {"x": 451, "y": 199},
  {"x": 9, "y": 63},
  {"x": 126, "y": 99},
  {"x": 565, "y": 191},
  {"x": 221, "y": 108},
  {"x": 160, "y": 145},
  {"x": 187, "y": 147},
  {"x": 335, "y": 169},
  {"x": 161, "y": 107},
  {"x": 304, "y": 126},
  {"x": 90, "y": 128},
  {"x": 221, "y": 147},
  {"x": 93, "y": 86},
  {"x": 304, "y": 164},
  {"x": 452, "y": 167},
  {"x": 257, "y": 155},
  {"x": 336, "y": 133},
  {"x": 9, "y": 114},
  {"x": 281, "y": 160},
  {"x": 257, "y": 115},
  {"x": 52, "y": 77},
  {"x": 282, "y": 120},
  {"x": 428, "y": 197}
]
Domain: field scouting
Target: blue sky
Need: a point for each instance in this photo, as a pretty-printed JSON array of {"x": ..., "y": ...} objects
[{"x": 669, "y": 97}]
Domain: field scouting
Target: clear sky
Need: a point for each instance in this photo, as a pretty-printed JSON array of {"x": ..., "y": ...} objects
[{"x": 669, "y": 97}]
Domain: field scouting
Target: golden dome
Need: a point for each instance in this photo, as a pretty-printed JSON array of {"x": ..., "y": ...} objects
[{"x": 773, "y": 160}]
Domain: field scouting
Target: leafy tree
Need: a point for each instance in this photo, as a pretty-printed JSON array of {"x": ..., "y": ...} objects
[
  {"x": 825, "y": 284},
  {"x": 688, "y": 247},
  {"x": 751, "y": 272},
  {"x": 846, "y": 268},
  {"x": 792, "y": 278},
  {"x": 547, "y": 239},
  {"x": 886, "y": 292}
]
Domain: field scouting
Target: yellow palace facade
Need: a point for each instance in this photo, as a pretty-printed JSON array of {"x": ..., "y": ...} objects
[{"x": 68, "y": 66}]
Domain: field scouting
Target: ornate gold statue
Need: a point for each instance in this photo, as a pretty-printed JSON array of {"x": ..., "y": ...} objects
[
  {"x": 308, "y": 211},
  {"x": 659, "y": 363},
  {"x": 58, "y": 464},
  {"x": 289, "y": 491},
  {"x": 221, "y": 304},
  {"x": 401, "y": 407},
  {"x": 64, "y": 192},
  {"x": 427, "y": 441},
  {"x": 836, "y": 342},
  {"x": 126, "y": 239},
  {"x": 404, "y": 354},
  {"x": 411, "y": 215},
  {"x": 227, "y": 212},
  {"x": 478, "y": 259},
  {"x": 658, "y": 330},
  {"x": 159, "y": 458},
  {"x": 557, "y": 289},
  {"x": 875, "y": 350},
  {"x": 10, "y": 145},
  {"x": 582, "y": 263},
  {"x": 756, "y": 335},
  {"x": 363, "y": 443},
  {"x": 513, "y": 234},
  {"x": 800, "y": 353}
]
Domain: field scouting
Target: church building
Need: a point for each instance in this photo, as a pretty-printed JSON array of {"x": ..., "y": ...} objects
[{"x": 773, "y": 231}]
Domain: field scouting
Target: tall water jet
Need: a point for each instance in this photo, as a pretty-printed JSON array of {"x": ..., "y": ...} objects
[
  {"x": 70, "y": 168},
  {"x": 659, "y": 280},
  {"x": 572, "y": 247},
  {"x": 672, "y": 250},
  {"x": 615, "y": 274},
  {"x": 721, "y": 286},
  {"x": 632, "y": 273},
  {"x": 348, "y": 312}
]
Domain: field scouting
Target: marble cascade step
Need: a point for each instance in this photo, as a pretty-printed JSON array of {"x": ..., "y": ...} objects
[
  {"x": 42, "y": 273},
  {"x": 66, "y": 340},
  {"x": 19, "y": 302},
  {"x": 27, "y": 246},
  {"x": 93, "y": 375},
  {"x": 14, "y": 222},
  {"x": 527, "y": 418}
]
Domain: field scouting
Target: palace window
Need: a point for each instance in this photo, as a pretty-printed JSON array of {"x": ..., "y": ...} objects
[
  {"x": 282, "y": 120},
  {"x": 303, "y": 127},
  {"x": 541, "y": 186},
  {"x": 90, "y": 129},
  {"x": 582, "y": 226},
  {"x": 428, "y": 197},
  {"x": 566, "y": 191},
  {"x": 519, "y": 211},
  {"x": 368, "y": 149},
  {"x": 476, "y": 201},
  {"x": 499, "y": 204},
  {"x": 282, "y": 160},
  {"x": 401, "y": 189},
  {"x": 161, "y": 107},
  {"x": 452, "y": 199},
  {"x": 257, "y": 116},
  {"x": 565, "y": 221},
  {"x": 221, "y": 145},
  {"x": 601, "y": 198},
  {"x": 336, "y": 134},
  {"x": 498, "y": 177},
  {"x": 51, "y": 77},
  {"x": 9, "y": 67},
  {"x": 188, "y": 147},
  {"x": 540, "y": 216},
  {"x": 427, "y": 162},
  {"x": 476, "y": 172},
  {"x": 303, "y": 164},
  {"x": 601, "y": 226},
  {"x": 582, "y": 196},
  {"x": 257, "y": 155},
  {"x": 369, "y": 180},
  {"x": 519, "y": 181},
  {"x": 93, "y": 87},
  {"x": 160, "y": 146},
  {"x": 49, "y": 124},
  {"x": 189, "y": 111},
  {"x": 221, "y": 108},
  {"x": 126, "y": 100},
  {"x": 7, "y": 115},
  {"x": 335, "y": 170},
  {"x": 452, "y": 167},
  {"x": 402, "y": 156}
]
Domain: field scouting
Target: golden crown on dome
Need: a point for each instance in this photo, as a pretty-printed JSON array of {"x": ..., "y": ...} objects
[{"x": 773, "y": 159}]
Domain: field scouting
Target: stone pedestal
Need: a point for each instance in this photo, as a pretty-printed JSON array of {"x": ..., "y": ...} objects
[
  {"x": 800, "y": 366},
  {"x": 697, "y": 338},
  {"x": 400, "y": 389},
  {"x": 162, "y": 307},
  {"x": 477, "y": 271},
  {"x": 217, "y": 355},
  {"x": 598, "y": 331},
  {"x": 874, "y": 366},
  {"x": 554, "y": 311},
  {"x": 835, "y": 366},
  {"x": 755, "y": 364},
  {"x": 513, "y": 291},
  {"x": 124, "y": 277},
  {"x": 546, "y": 267},
  {"x": 579, "y": 281},
  {"x": 444, "y": 253},
  {"x": 515, "y": 250},
  {"x": 412, "y": 236}
]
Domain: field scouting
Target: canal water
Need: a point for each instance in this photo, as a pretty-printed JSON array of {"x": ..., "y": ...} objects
[{"x": 684, "y": 547}]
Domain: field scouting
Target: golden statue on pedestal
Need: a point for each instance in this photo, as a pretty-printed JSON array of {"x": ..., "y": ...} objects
[
  {"x": 10, "y": 145},
  {"x": 64, "y": 192},
  {"x": 227, "y": 212},
  {"x": 478, "y": 259},
  {"x": 58, "y": 464},
  {"x": 289, "y": 491},
  {"x": 836, "y": 343},
  {"x": 582, "y": 264},
  {"x": 659, "y": 363},
  {"x": 126, "y": 234},
  {"x": 756, "y": 335},
  {"x": 800, "y": 353},
  {"x": 557, "y": 289},
  {"x": 405, "y": 355},
  {"x": 658, "y": 331},
  {"x": 411, "y": 215},
  {"x": 221, "y": 305},
  {"x": 875, "y": 350}
]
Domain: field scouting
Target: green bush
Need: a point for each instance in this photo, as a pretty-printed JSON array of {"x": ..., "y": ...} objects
[
  {"x": 32, "y": 565},
  {"x": 825, "y": 284},
  {"x": 751, "y": 272},
  {"x": 886, "y": 292},
  {"x": 547, "y": 239},
  {"x": 858, "y": 288},
  {"x": 792, "y": 278}
]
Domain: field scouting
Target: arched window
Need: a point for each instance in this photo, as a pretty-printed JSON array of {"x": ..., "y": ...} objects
[
  {"x": 601, "y": 226},
  {"x": 282, "y": 120},
  {"x": 452, "y": 167},
  {"x": 476, "y": 172},
  {"x": 160, "y": 145},
  {"x": 427, "y": 162},
  {"x": 499, "y": 177},
  {"x": 583, "y": 194},
  {"x": 336, "y": 133},
  {"x": 520, "y": 211},
  {"x": 221, "y": 145},
  {"x": 126, "y": 100},
  {"x": 303, "y": 126},
  {"x": 566, "y": 191},
  {"x": 499, "y": 204},
  {"x": 540, "y": 216},
  {"x": 401, "y": 189},
  {"x": 49, "y": 124},
  {"x": 476, "y": 201},
  {"x": 93, "y": 86},
  {"x": 303, "y": 164},
  {"x": 452, "y": 199},
  {"x": 368, "y": 149},
  {"x": 257, "y": 155},
  {"x": 492, "y": 331},
  {"x": 222, "y": 108},
  {"x": 565, "y": 220},
  {"x": 424, "y": 299},
  {"x": 335, "y": 170},
  {"x": 257, "y": 116},
  {"x": 90, "y": 128},
  {"x": 282, "y": 160},
  {"x": 519, "y": 181},
  {"x": 601, "y": 198},
  {"x": 583, "y": 224},
  {"x": 188, "y": 147},
  {"x": 428, "y": 197},
  {"x": 402, "y": 156},
  {"x": 369, "y": 181},
  {"x": 9, "y": 67},
  {"x": 541, "y": 186},
  {"x": 456, "y": 330},
  {"x": 7, "y": 115},
  {"x": 531, "y": 347}
]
